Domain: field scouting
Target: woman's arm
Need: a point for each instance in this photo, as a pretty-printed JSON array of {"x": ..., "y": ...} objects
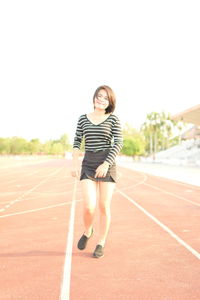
[
  {"x": 75, "y": 172},
  {"x": 102, "y": 170},
  {"x": 76, "y": 149},
  {"x": 118, "y": 142}
]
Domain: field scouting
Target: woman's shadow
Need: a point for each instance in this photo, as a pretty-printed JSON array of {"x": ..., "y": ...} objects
[
  {"x": 33, "y": 253},
  {"x": 44, "y": 253}
]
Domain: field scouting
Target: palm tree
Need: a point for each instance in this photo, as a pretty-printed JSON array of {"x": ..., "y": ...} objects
[
  {"x": 158, "y": 129},
  {"x": 152, "y": 128}
]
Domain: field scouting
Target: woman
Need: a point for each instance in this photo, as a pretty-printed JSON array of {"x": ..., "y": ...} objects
[{"x": 103, "y": 141}]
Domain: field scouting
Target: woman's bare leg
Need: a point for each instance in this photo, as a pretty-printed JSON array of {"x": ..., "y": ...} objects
[
  {"x": 105, "y": 196},
  {"x": 89, "y": 191}
]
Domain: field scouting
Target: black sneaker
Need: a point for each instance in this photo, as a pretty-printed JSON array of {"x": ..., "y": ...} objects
[
  {"x": 98, "y": 252},
  {"x": 82, "y": 243}
]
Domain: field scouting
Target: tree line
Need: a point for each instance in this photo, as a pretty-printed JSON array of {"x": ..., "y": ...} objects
[
  {"x": 159, "y": 132},
  {"x": 18, "y": 145},
  {"x": 155, "y": 134}
]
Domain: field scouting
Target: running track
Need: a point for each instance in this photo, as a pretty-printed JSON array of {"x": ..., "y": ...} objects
[{"x": 152, "y": 252}]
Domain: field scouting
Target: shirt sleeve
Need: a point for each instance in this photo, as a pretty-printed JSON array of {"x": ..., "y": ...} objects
[
  {"x": 117, "y": 143},
  {"x": 78, "y": 135}
]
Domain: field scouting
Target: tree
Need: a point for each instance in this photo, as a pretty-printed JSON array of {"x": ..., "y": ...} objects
[
  {"x": 64, "y": 140},
  {"x": 133, "y": 141},
  {"x": 34, "y": 146},
  {"x": 158, "y": 130},
  {"x": 151, "y": 129},
  {"x": 18, "y": 146},
  {"x": 4, "y": 145},
  {"x": 132, "y": 146},
  {"x": 47, "y": 147},
  {"x": 57, "y": 148}
]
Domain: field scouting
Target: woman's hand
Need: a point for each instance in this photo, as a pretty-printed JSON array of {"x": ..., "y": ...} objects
[
  {"x": 102, "y": 169},
  {"x": 75, "y": 164},
  {"x": 75, "y": 173}
]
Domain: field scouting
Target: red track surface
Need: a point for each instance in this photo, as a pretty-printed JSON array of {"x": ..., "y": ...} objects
[{"x": 152, "y": 250}]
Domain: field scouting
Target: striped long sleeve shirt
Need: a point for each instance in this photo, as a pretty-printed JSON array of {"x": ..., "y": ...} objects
[{"x": 106, "y": 135}]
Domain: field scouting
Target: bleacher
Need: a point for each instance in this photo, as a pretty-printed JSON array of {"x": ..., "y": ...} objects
[{"x": 187, "y": 153}]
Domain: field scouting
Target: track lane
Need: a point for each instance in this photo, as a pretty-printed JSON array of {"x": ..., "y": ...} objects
[
  {"x": 26, "y": 185},
  {"x": 147, "y": 263},
  {"x": 33, "y": 239},
  {"x": 32, "y": 254},
  {"x": 178, "y": 213},
  {"x": 140, "y": 254}
]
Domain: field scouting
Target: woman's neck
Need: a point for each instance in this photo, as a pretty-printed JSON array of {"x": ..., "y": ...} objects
[{"x": 98, "y": 112}]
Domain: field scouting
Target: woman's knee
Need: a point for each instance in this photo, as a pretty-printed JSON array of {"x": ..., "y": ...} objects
[
  {"x": 89, "y": 210},
  {"x": 104, "y": 209}
]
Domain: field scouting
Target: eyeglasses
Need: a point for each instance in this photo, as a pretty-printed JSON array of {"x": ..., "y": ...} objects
[{"x": 100, "y": 97}]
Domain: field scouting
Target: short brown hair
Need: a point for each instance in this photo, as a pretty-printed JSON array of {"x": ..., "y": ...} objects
[{"x": 111, "y": 97}]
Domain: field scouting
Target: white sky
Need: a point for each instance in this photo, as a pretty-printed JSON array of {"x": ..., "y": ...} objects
[{"x": 54, "y": 54}]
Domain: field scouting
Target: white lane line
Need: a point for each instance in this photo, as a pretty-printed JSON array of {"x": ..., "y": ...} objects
[
  {"x": 161, "y": 176},
  {"x": 35, "y": 187},
  {"x": 164, "y": 227},
  {"x": 159, "y": 189},
  {"x": 36, "y": 195},
  {"x": 135, "y": 184},
  {"x": 20, "y": 175},
  {"x": 48, "y": 194},
  {"x": 24, "y": 164},
  {"x": 7, "y": 182},
  {"x": 65, "y": 289},
  {"x": 36, "y": 209},
  {"x": 171, "y": 194},
  {"x": 4, "y": 194}
]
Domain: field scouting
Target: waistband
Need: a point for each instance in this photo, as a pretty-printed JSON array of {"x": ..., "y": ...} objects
[{"x": 97, "y": 151}]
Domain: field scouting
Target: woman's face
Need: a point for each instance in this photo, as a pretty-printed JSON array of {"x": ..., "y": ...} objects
[{"x": 101, "y": 101}]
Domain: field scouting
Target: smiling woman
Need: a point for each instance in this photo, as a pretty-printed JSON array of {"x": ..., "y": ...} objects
[
  {"x": 104, "y": 96},
  {"x": 103, "y": 141}
]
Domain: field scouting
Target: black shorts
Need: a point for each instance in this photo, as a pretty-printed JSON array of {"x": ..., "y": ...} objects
[{"x": 90, "y": 163}]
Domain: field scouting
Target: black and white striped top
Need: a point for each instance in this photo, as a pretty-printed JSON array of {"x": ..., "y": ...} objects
[{"x": 106, "y": 135}]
